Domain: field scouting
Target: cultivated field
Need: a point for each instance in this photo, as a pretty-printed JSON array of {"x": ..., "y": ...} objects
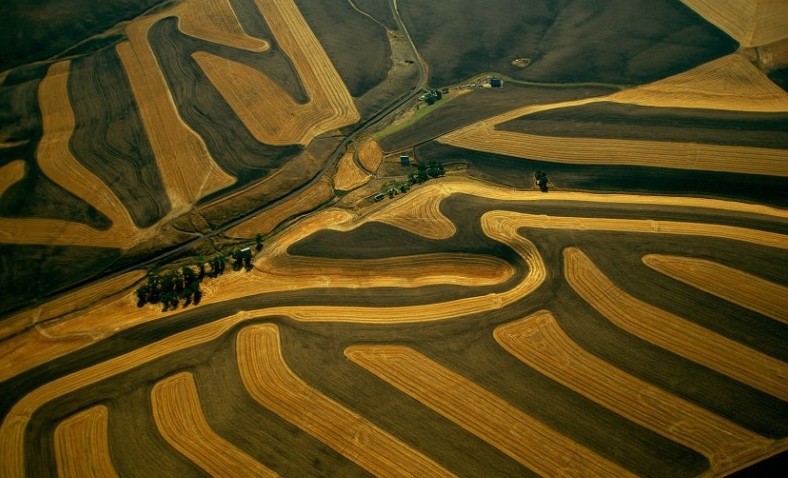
[
  {"x": 429, "y": 369},
  {"x": 629, "y": 322}
]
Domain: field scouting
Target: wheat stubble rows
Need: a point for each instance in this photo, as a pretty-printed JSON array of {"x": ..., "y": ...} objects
[{"x": 538, "y": 341}]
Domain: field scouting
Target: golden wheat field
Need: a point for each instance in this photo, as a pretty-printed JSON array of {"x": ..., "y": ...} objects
[{"x": 470, "y": 326}]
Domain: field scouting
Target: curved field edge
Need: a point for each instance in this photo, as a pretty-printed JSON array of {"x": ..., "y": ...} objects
[
  {"x": 180, "y": 419},
  {"x": 539, "y": 341}
]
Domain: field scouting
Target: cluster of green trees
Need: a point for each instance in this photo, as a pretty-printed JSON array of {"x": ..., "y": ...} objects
[
  {"x": 173, "y": 287},
  {"x": 424, "y": 172},
  {"x": 432, "y": 96},
  {"x": 177, "y": 287}
]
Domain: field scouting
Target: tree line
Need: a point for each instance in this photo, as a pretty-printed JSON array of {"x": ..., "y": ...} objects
[{"x": 174, "y": 288}]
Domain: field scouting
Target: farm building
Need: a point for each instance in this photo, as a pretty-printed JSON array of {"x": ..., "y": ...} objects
[{"x": 496, "y": 82}]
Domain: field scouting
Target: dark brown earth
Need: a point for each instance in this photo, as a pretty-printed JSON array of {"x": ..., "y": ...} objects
[
  {"x": 479, "y": 104},
  {"x": 686, "y": 125},
  {"x": 32, "y": 31},
  {"x": 109, "y": 138},
  {"x": 340, "y": 28},
  {"x": 612, "y": 41},
  {"x": 517, "y": 172},
  {"x": 229, "y": 142}
]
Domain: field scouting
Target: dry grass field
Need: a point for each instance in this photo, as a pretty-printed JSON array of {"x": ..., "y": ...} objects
[
  {"x": 751, "y": 23},
  {"x": 470, "y": 326},
  {"x": 349, "y": 175}
]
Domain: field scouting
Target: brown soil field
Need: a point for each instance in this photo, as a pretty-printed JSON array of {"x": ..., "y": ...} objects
[
  {"x": 10, "y": 174},
  {"x": 751, "y": 23},
  {"x": 60, "y": 165},
  {"x": 349, "y": 176},
  {"x": 577, "y": 41},
  {"x": 483, "y": 103},
  {"x": 109, "y": 139},
  {"x": 303, "y": 202},
  {"x": 216, "y": 21},
  {"x": 271, "y": 382},
  {"x": 674, "y": 333},
  {"x": 731, "y": 284},
  {"x": 82, "y": 446},
  {"x": 483, "y": 136},
  {"x": 634, "y": 122},
  {"x": 370, "y": 155},
  {"x": 187, "y": 169},
  {"x": 180, "y": 419},
  {"x": 361, "y": 69},
  {"x": 482, "y": 413},
  {"x": 539, "y": 341}
]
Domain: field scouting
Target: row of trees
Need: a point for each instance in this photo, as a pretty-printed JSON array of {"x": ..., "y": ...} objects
[
  {"x": 172, "y": 288},
  {"x": 424, "y": 172}
]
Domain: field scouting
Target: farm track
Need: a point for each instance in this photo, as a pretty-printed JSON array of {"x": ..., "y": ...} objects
[
  {"x": 82, "y": 445},
  {"x": 733, "y": 285},
  {"x": 539, "y": 341},
  {"x": 271, "y": 382},
  {"x": 492, "y": 419},
  {"x": 180, "y": 419},
  {"x": 672, "y": 332}
]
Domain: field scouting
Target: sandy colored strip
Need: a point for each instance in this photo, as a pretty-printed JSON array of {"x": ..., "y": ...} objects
[
  {"x": 82, "y": 445},
  {"x": 266, "y": 110},
  {"x": 733, "y": 285},
  {"x": 674, "y": 333},
  {"x": 179, "y": 417},
  {"x": 10, "y": 174},
  {"x": 499, "y": 423},
  {"x": 750, "y": 22},
  {"x": 271, "y": 383},
  {"x": 349, "y": 176},
  {"x": 215, "y": 21},
  {"x": 370, "y": 155},
  {"x": 539, "y": 341},
  {"x": 187, "y": 169}
]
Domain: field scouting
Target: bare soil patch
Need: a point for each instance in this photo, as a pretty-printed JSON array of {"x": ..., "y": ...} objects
[
  {"x": 109, "y": 138},
  {"x": 567, "y": 42},
  {"x": 626, "y": 121}
]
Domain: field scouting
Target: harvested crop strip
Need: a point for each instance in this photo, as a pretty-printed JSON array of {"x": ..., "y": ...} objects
[
  {"x": 731, "y": 284},
  {"x": 215, "y": 21},
  {"x": 671, "y": 332},
  {"x": 539, "y": 341},
  {"x": 271, "y": 382},
  {"x": 349, "y": 176},
  {"x": 179, "y": 418},
  {"x": 517, "y": 434},
  {"x": 750, "y": 22},
  {"x": 82, "y": 445}
]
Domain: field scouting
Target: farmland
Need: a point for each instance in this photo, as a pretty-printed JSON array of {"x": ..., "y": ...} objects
[{"x": 381, "y": 319}]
